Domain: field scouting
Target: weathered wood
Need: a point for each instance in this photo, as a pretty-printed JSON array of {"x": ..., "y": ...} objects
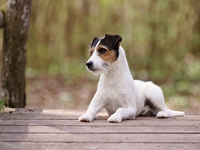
[
  {"x": 16, "y": 26},
  {"x": 73, "y": 115},
  {"x": 65, "y": 122},
  {"x": 97, "y": 146},
  {"x": 1, "y": 19},
  {"x": 74, "y": 129},
  {"x": 101, "y": 138},
  {"x": 60, "y": 129}
]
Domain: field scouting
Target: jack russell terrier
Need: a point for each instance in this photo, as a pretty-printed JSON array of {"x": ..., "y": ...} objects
[{"x": 117, "y": 91}]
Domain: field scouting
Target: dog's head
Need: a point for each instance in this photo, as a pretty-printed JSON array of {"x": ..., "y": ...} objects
[{"x": 103, "y": 51}]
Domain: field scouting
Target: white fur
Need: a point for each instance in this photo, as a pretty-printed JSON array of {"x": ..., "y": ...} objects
[{"x": 121, "y": 95}]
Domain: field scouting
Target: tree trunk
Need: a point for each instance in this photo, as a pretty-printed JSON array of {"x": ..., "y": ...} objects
[
  {"x": 16, "y": 25},
  {"x": 1, "y": 19}
]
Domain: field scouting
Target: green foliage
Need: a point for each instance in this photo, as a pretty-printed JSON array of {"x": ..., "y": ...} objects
[
  {"x": 2, "y": 104},
  {"x": 161, "y": 39},
  {"x": 157, "y": 35}
]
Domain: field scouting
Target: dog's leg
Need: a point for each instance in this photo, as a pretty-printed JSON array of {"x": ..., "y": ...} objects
[
  {"x": 95, "y": 106},
  {"x": 121, "y": 114},
  {"x": 154, "y": 94},
  {"x": 89, "y": 115}
]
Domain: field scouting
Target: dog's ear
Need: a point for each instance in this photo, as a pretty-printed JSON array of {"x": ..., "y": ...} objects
[
  {"x": 113, "y": 41},
  {"x": 94, "y": 42},
  {"x": 118, "y": 39}
]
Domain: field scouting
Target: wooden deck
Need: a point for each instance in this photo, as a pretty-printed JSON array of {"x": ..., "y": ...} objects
[{"x": 59, "y": 130}]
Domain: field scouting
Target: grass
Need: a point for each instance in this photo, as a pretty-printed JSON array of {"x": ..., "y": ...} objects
[{"x": 2, "y": 104}]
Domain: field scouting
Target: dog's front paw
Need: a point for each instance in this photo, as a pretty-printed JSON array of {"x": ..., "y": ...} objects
[
  {"x": 85, "y": 118},
  {"x": 162, "y": 114},
  {"x": 114, "y": 118}
]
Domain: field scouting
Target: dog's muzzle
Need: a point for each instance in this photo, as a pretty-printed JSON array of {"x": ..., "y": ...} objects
[{"x": 90, "y": 66}]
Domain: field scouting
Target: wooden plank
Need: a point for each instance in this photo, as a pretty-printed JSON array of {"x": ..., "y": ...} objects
[
  {"x": 101, "y": 138},
  {"x": 59, "y": 129},
  {"x": 30, "y": 116},
  {"x": 55, "y": 114},
  {"x": 99, "y": 122},
  {"x": 43, "y": 111},
  {"x": 110, "y": 146},
  {"x": 65, "y": 116},
  {"x": 102, "y": 129}
]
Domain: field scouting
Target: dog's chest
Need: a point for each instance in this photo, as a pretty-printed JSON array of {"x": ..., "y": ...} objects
[
  {"x": 117, "y": 92},
  {"x": 115, "y": 101},
  {"x": 111, "y": 82},
  {"x": 115, "y": 96}
]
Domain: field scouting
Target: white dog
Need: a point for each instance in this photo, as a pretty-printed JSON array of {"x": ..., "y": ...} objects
[{"x": 117, "y": 92}]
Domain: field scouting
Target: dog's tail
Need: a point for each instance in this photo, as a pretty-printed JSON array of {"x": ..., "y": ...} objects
[{"x": 177, "y": 113}]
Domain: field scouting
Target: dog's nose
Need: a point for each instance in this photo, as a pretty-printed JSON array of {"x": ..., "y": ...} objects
[{"x": 89, "y": 64}]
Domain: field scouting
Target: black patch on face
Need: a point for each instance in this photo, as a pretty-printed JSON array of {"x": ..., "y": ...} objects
[
  {"x": 94, "y": 42},
  {"x": 112, "y": 42}
]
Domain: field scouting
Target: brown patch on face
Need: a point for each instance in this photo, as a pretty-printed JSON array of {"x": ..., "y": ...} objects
[
  {"x": 91, "y": 51},
  {"x": 106, "y": 54}
]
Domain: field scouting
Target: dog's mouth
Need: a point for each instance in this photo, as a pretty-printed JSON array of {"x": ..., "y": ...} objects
[
  {"x": 92, "y": 69},
  {"x": 97, "y": 69},
  {"x": 105, "y": 67}
]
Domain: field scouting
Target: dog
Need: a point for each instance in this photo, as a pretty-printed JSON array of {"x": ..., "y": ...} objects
[{"x": 121, "y": 96}]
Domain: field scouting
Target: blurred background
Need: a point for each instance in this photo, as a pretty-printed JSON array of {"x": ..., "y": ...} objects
[{"x": 161, "y": 39}]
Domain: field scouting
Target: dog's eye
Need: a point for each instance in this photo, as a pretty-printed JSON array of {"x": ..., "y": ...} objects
[{"x": 102, "y": 50}]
